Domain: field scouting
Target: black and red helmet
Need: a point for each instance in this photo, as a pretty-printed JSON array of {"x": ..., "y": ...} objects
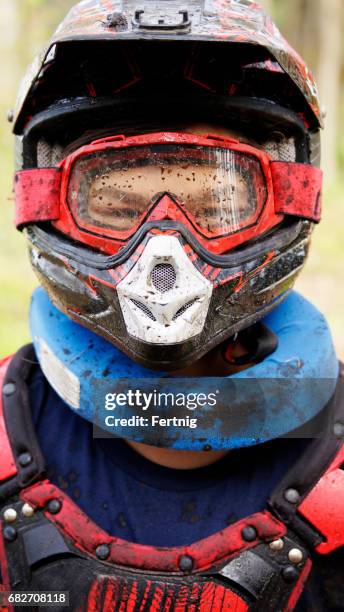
[{"x": 163, "y": 238}]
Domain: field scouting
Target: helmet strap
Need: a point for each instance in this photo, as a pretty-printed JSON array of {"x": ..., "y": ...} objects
[{"x": 251, "y": 345}]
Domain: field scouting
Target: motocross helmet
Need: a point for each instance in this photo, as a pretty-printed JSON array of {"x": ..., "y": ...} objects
[{"x": 165, "y": 241}]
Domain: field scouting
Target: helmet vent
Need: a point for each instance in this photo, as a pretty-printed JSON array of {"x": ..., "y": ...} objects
[
  {"x": 183, "y": 309},
  {"x": 144, "y": 309},
  {"x": 281, "y": 148},
  {"x": 163, "y": 277},
  {"x": 48, "y": 156}
]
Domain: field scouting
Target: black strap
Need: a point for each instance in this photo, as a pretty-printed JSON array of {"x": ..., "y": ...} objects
[
  {"x": 258, "y": 342},
  {"x": 18, "y": 420}
]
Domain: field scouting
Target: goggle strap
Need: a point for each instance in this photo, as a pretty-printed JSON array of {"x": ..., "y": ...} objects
[
  {"x": 37, "y": 195},
  {"x": 297, "y": 189},
  {"x": 297, "y": 192}
]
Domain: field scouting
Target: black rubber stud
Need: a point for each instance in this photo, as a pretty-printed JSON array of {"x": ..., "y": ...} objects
[
  {"x": 54, "y": 506},
  {"x": 10, "y": 533},
  {"x": 338, "y": 429},
  {"x": 102, "y": 551},
  {"x": 186, "y": 563},
  {"x": 290, "y": 574},
  {"x": 292, "y": 496},
  {"x": 249, "y": 533},
  {"x": 9, "y": 389},
  {"x": 25, "y": 459}
]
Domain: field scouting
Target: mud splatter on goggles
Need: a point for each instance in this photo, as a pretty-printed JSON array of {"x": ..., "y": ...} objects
[{"x": 224, "y": 192}]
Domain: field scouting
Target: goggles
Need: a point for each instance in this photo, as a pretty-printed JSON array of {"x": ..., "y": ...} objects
[{"x": 222, "y": 191}]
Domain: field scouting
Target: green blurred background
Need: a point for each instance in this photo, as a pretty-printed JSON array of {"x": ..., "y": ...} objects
[{"x": 314, "y": 27}]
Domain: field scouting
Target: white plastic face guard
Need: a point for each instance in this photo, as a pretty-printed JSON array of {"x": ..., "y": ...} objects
[{"x": 164, "y": 299}]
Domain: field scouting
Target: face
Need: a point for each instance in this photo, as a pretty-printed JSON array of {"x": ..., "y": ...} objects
[{"x": 214, "y": 187}]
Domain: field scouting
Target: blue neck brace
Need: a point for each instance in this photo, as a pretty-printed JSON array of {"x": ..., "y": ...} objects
[{"x": 292, "y": 385}]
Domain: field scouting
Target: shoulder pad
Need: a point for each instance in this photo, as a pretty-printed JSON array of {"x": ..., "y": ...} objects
[{"x": 324, "y": 506}]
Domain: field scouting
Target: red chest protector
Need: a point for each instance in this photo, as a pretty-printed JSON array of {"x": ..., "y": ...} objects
[{"x": 260, "y": 563}]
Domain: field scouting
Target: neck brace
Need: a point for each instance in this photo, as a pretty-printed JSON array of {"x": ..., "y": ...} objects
[{"x": 266, "y": 401}]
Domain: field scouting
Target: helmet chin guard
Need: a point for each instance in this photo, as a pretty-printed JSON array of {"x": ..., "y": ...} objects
[
  {"x": 164, "y": 299},
  {"x": 233, "y": 291}
]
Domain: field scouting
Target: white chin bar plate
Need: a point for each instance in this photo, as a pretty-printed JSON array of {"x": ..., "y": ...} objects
[{"x": 164, "y": 298}]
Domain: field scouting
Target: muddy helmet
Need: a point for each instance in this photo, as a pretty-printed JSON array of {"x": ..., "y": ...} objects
[{"x": 165, "y": 241}]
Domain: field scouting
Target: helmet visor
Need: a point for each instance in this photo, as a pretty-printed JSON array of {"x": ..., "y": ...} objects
[{"x": 219, "y": 190}]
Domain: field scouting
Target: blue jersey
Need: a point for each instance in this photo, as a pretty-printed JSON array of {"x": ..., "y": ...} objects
[{"x": 137, "y": 500}]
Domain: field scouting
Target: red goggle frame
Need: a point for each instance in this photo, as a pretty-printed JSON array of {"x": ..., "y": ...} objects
[{"x": 43, "y": 194}]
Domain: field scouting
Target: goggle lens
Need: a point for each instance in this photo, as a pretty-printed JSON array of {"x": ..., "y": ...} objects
[{"x": 220, "y": 190}]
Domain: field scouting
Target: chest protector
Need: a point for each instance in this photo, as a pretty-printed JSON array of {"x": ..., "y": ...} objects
[{"x": 260, "y": 563}]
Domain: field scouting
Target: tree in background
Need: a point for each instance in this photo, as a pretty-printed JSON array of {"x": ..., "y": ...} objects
[
  {"x": 329, "y": 68},
  {"x": 314, "y": 28}
]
